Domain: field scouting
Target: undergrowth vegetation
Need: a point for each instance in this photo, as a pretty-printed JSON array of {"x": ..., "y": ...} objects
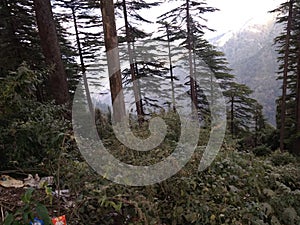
[
  {"x": 31, "y": 131},
  {"x": 259, "y": 187},
  {"x": 238, "y": 188}
]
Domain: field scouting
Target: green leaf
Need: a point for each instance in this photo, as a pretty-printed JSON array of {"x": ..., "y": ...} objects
[
  {"x": 9, "y": 219},
  {"x": 43, "y": 213},
  {"x": 26, "y": 217},
  {"x": 27, "y": 196}
]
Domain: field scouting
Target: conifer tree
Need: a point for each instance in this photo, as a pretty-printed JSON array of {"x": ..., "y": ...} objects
[
  {"x": 84, "y": 17},
  {"x": 259, "y": 124},
  {"x": 19, "y": 39},
  {"x": 288, "y": 50},
  {"x": 168, "y": 34},
  {"x": 151, "y": 71},
  {"x": 82, "y": 65},
  {"x": 296, "y": 148},
  {"x": 57, "y": 80},
  {"x": 129, "y": 10},
  {"x": 69, "y": 53},
  {"x": 240, "y": 108},
  {"x": 190, "y": 14},
  {"x": 111, "y": 44},
  {"x": 215, "y": 74}
]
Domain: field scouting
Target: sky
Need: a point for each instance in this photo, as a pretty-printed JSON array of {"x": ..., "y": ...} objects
[
  {"x": 235, "y": 13},
  {"x": 232, "y": 15}
]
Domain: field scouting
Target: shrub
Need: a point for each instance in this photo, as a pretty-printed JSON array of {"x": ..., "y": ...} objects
[
  {"x": 280, "y": 159},
  {"x": 262, "y": 151},
  {"x": 30, "y": 130},
  {"x": 28, "y": 212}
]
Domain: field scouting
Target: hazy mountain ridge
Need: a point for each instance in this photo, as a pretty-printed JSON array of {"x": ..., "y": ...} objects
[{"x": 251, "y": 54}]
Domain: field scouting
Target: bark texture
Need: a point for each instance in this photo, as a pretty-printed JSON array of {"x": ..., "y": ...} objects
[
  {"x": 113, "y": 61},
  {"x": 57, "y": 85}
]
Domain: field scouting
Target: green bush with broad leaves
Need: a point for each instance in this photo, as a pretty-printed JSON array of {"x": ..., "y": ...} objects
[
  {"x": 28, "y": 212},
  {"x": 31, "y": 131}
]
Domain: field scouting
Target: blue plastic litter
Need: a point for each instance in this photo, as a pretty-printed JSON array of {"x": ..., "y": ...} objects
[{"x": 37, "y": 221}]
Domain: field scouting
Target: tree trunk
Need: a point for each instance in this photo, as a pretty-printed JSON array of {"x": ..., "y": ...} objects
[
  {"x": 285, "y": 75},
  {"x": 57, "y": 81},
  {"x": 256, "y": 127},
  {"x": 171, "y": 68},
  {"x": 83, "y": 70},
  {"x": 113, "y": 61},
  {"x": 232, "y": 116},
  {"x": 296, "y": 149},
  {"x": 189, "y": 44},
  {"x": 135, "y": 84}
]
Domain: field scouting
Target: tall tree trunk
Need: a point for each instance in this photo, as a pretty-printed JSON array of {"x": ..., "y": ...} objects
[
  {"x": 285, "y": 75},
  {"x": 113, "y": 61},
  {"x": 296, "y": 149},
  {"x": 232, "y": 116},
  {"x": 171, "y": 69},
  {"x": 256, "y": 127},
  {"x": 135, "y": 84},
  {"x": 136, "y": 69},
  {"x": 83, "y": 70},
  {"x": 57, "y": 81},
  {"x": 189, "y": 44}
]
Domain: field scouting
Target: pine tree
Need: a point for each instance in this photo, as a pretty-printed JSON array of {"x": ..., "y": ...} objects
[
  {"x": 151, "y": 75},
  {"x": 19, "y": 39},
  {"x": 85, "y": 19},
  {"x": 259, "y": 124},
  {"x": 88, "y": 20},
  {"x": 57, "y": 80},
  {"x": 132, "y": 33},
  {"x": 285, "y": 74},
  {"x": 240, "y": 108},
  {"x": 168, "y": 34},
  {"x": 83, "y": 68},
  {"x": 287, "y": 47},
  {"x": 69, "y": 54},
  {"x": 296, "y": 148},
  {"x": 215, "y": 74},
  {"x": 111, "y": 44},
  {"x": 189, "y": 13}
]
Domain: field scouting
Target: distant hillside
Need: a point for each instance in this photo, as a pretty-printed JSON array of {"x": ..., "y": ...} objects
[{"x": 251, "y": 55}]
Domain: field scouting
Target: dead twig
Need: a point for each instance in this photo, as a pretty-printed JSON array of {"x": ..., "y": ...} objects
[{"x": 2, "y": 214}]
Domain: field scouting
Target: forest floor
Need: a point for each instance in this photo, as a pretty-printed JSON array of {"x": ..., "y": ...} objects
[{"x": 239, "y": 188}]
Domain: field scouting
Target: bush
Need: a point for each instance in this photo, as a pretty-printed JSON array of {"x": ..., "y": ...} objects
[
  {"x": 28, "y": 212},
  {"x": 236, "y": 189},
  {"x": 281, "y": 159},
  {"x": 272, "y": 140},
  {"x": 30, "y": 131},
  {"x": 262, "y": 151}
]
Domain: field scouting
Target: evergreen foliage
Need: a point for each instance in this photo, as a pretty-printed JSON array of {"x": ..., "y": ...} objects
[
  {"x": 31, "y": 131},
  {"x": 19, "y": 39},
  {"x": 247, "y": 183},
  {"x": 288, "y": 56}
]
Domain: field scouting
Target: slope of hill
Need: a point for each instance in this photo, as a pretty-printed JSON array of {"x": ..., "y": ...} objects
[{"x": 251, "y": 54}]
